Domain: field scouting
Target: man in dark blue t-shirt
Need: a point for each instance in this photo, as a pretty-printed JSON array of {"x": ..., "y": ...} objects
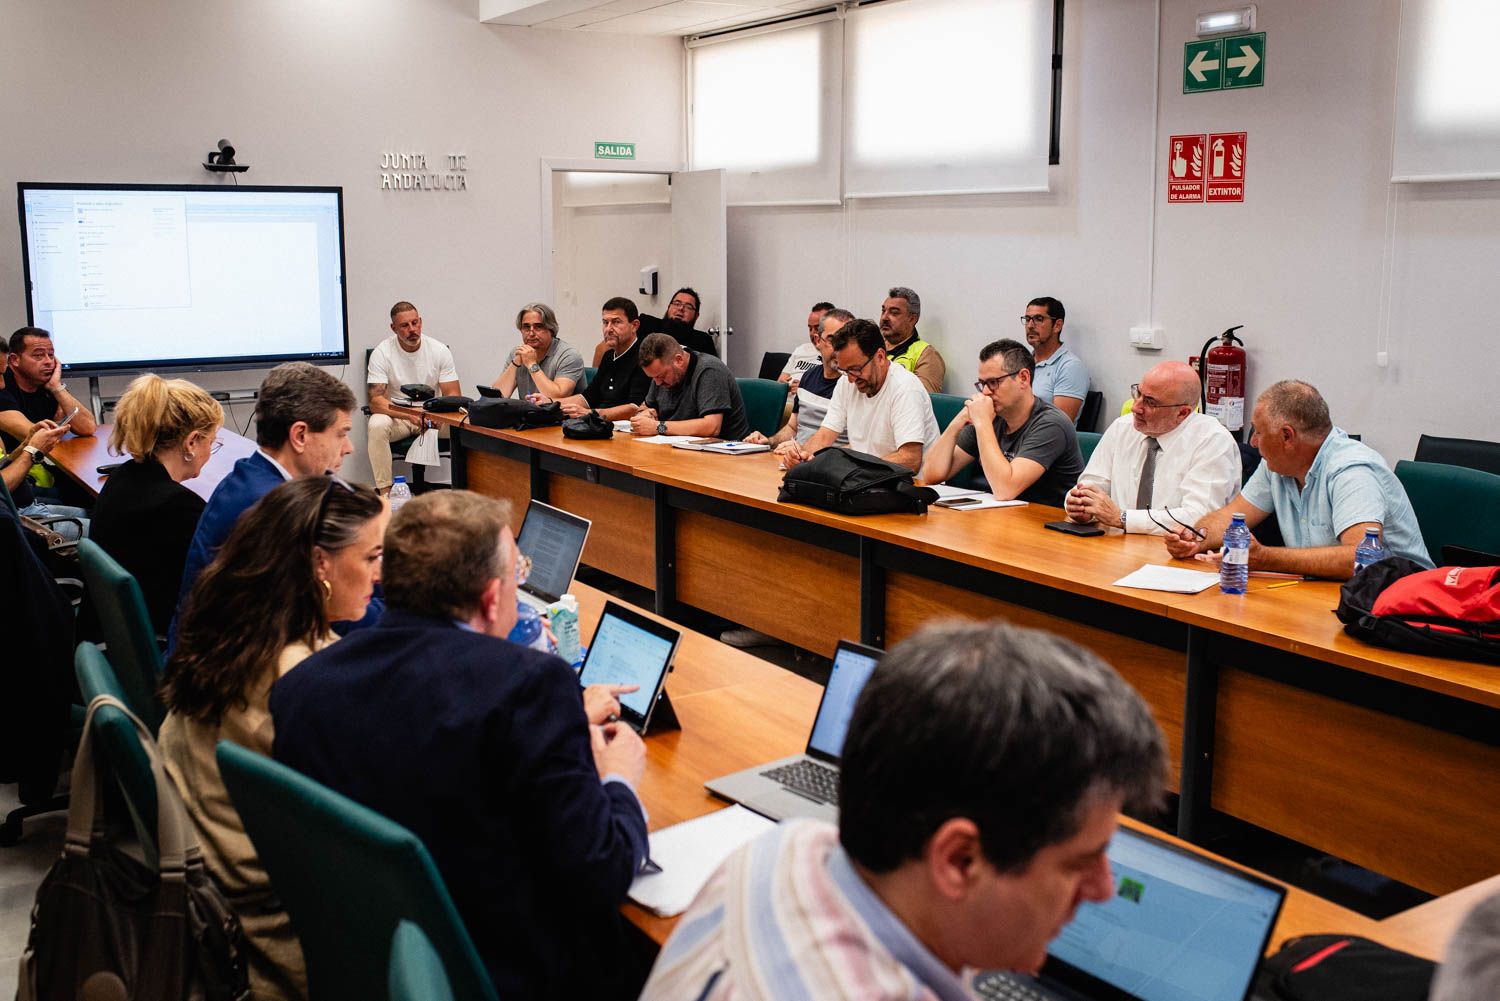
[{"x": 813, "y": 391}]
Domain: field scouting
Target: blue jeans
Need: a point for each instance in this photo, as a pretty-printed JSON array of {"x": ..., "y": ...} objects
[{"x": 67, "y": 529}]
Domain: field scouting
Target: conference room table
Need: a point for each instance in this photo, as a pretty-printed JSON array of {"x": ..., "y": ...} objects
[
  {"x": 737, "y": 710},
  {"x": 81, "y": 457},
  {"x": 1273, "y": 715}
]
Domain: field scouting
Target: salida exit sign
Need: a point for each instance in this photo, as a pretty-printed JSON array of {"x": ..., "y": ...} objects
[{"x": 614, "y": 151}]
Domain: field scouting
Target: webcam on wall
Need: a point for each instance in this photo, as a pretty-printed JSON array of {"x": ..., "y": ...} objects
[{"x": 221, "y": 161}]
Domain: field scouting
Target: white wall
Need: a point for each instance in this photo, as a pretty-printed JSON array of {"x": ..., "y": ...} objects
[
  {"x": 311, "y": 92},
  {"x": 1302, "y": 263}
]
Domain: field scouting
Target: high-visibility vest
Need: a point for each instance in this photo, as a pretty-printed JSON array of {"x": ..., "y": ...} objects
[{"x": 908, "y": 359}]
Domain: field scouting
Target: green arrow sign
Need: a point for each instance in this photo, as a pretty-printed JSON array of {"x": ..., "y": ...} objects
[
  {"x": 1245, "y": 61},
  {"x": 1203, "y": 66},
  {"x": 1224, "y": 63}
]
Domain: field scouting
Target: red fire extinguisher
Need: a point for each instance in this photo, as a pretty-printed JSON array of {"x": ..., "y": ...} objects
[{"x": 1221, "y": 375}]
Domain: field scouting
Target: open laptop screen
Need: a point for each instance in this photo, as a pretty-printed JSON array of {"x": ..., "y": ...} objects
[
  {"x": 553, "y": 539},
  {"x": 852, "y": 666},
  {"x": 1180, "y": 927}
]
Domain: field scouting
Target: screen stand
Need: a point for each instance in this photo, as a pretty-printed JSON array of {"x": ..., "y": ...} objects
[
  {"x": 96, "y": 402},
  {"x": 663, "y": 717}
]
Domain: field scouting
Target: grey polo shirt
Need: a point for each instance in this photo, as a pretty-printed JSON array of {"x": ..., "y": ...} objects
[
  {"x": 562, "y": 361},
  {"x": 706, "y": 388}
]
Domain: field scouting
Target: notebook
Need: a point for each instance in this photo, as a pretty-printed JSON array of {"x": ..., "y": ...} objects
[
  {"x": 554, "y": 540},
  {"x": 1180, "y": 927},
  {"x": 806, "y": 785}
]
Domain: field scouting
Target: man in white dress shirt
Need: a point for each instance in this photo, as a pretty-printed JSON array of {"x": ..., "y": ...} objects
[{"x": 1191, "y": 464}]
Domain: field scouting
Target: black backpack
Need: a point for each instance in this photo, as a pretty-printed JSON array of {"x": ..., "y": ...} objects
[
  {"x": 850, "y": 482},
  {"x": 1342, "y": 968},
  {"x": 1447, "y": 612},
  {"x": 519, "y": 414}
]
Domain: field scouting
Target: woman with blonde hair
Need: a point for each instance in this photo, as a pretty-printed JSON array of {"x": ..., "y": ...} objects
[
  {"x": 145, "y": 517},
  {"x": 306, "y": 555}
]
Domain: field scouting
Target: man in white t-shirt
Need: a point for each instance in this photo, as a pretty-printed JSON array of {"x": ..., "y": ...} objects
[
  {"x": 404, "y": 358},
  {"x": 884, "y": 409}
]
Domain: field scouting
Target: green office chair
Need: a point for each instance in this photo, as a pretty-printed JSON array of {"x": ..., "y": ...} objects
[
  {"x": 1087, "y": 442},
  {"x": 1452, "y": 504},
  {"x": 416, "y": 971},
  {"x": 945, "y": 407},
  {"x": 348, "y": 876},
  {"x": 117, "y": 736},
  {"x": 764, "y": 401},
  {"x": 589, "y": 375},
  {"x": 121, "y": 610}
]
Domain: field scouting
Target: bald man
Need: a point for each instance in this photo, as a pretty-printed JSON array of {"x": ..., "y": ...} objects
[{"x": 1162, "y": 465}]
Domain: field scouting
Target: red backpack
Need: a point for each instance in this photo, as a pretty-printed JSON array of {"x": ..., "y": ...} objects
[{"x": 1447, "y": 612}]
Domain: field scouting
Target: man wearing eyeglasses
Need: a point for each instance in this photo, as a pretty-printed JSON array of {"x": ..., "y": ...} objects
[
  {"x": 1061, "y": 378},
  {"x": 1027, "y": 448},
  {"x": 680, "y": 322},
  {"x": 812, "y": 389},
  {"x": 883, "y": 408},
  {"x": 1160, "y": 467}
]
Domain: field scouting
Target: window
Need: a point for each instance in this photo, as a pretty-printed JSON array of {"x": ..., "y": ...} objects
[
  {"x": 947, "y": 95},
  {"x": 1447, "y": 104},
  {"x": 766, "y": 108},
  {"x": 899, "y": 97}
]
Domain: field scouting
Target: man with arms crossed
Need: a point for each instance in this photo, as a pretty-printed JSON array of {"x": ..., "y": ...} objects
[
  {"x": 543, "y": 364},
  {"x": 904, "y": 346},
  {"x": 982, "y": 776},
  {"x": 1325, "y": 488},
  {"x": 619, "y": 386},
  {"x": 484, "y": 750},
  {"x": 1027, "y": 448},
  {"x": 881, "y": 406},
  {"x": 1161, "y": 466},
  {"x": 1061, "y": 378},
  {"x": 812, "y": 388},
  {"x": 404, "y": 358},
  {"x": 302, "y": 424}
]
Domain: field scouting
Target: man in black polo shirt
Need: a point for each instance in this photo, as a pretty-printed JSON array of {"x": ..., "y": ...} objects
[
  {"x": 34, "y": 390},
  {"x": 692, "y": 393},
  {"x": 620, "y": 385}
]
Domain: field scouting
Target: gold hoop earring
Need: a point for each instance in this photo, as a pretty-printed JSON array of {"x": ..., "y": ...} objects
[{"x": 327, "y": 590}]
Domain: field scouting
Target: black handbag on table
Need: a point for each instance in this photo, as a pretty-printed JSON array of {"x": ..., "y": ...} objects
[
  {"x": 589, "y": 427},
  {"x": 522, "y": 415},
  {"x": 103, "y": 915},
  {"x": 850, "y": 482}
]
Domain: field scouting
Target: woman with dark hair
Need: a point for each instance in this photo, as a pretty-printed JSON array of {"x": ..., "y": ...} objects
[{"x": 306, "y": 555}]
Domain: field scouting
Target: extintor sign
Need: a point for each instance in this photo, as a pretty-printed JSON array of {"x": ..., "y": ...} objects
[{"x": 1226, "y": 167}]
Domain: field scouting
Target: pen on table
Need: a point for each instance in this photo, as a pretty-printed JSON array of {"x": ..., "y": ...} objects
[{"x": 1284, "y": 583}]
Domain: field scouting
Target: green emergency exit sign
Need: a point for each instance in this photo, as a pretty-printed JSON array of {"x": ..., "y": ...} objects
[
  {"x": 614, "y": 151},
  {"x": 1224, "y": 63}
]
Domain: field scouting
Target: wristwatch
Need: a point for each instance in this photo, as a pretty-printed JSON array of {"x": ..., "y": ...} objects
[
  {"x": 34, "y": 452},
  {"x": 533, "y": 368},
  {"x": 661, "y": 427}
]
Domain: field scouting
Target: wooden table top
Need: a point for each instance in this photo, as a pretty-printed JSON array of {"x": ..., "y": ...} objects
[
  {"x": 80, "y": 459},
  {"x": 737, "y": 710}
]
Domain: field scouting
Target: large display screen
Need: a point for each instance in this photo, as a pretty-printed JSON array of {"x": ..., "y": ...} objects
[{"x": 134, "y": 277}]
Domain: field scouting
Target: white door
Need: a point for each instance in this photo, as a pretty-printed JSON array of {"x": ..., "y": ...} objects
[{"x": 700, "y": 248}]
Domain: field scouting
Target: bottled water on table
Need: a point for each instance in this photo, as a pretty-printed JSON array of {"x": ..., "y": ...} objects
[
  {"x": 1234, "y": 566},
  {"x": 1370, "y": 551}
]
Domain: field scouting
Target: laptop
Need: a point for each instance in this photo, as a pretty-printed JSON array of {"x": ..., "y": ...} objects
[
  {"x": 807, "y": 785},
  {"x": 629, "y": 648},
  {"x": 1180, "y": 927},
  {"x": 554, "y": 540}
]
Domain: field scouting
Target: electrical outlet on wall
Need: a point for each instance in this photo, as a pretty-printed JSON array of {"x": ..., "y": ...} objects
[{"x": 1146, "y": 338}]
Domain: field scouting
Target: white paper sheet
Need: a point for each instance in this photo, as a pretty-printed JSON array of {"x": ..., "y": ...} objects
[
  {"x": 1177, "y": 580},
  {"x": 944, "y": 491},
  {"x": 622, "y": 426},
  {"x": 424, "y": 451},
  {"x": 664, "y": 439},
  {"x": 688, "y": 854}
]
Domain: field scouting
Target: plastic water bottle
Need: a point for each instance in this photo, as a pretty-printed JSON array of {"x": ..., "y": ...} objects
[
  {"x": 1234, "y": 567},
  {"x": 1369, "y": 551},
  {"x": 563, "y": 615},
  {"x": 528, "y": 629},
  {"x": 400, "y": 494}
]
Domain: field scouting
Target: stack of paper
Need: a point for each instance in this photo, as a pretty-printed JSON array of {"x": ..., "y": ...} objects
[
  {"x": 1177, "y": 580},
  {"x": 688, "y": 853}
]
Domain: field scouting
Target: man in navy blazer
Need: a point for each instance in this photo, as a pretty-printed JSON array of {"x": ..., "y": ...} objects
[
  {"x": 302, "y": 420},
  {"x": 483, "y": 749}
]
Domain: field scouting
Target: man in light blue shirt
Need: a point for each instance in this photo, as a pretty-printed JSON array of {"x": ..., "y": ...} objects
[
  {"x": 1325, "y": 488},
  {"x": 1061, "y": 378}
]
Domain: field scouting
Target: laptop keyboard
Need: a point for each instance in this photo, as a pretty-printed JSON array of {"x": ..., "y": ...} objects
[
  {"x": 999, "y": 986},
  {"x": 809, "y": 778}
]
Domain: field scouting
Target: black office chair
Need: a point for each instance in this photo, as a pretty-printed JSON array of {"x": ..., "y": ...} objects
[
  {"x": 1088, "y": 417},
  {"x": 771, "y": 364},
  {"x": 1470, "y": 452}
]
